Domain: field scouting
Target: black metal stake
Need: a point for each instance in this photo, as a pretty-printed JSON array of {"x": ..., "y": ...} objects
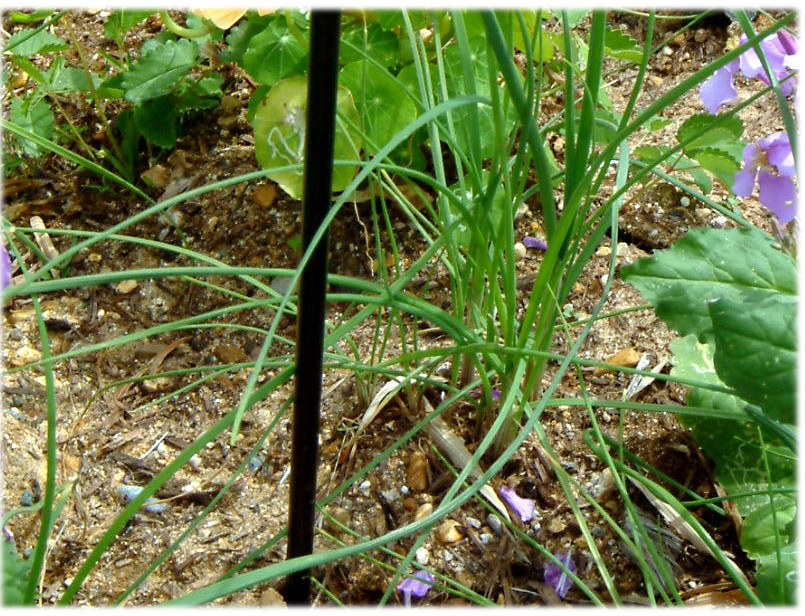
[{"x": 319, "y": 140}]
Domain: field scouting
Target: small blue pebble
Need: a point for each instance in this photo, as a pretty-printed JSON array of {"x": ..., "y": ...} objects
[
  {"x": 150, "y": 505},
  {"x": 27, "y": 498},
  {"x": 255, "y": 463}
]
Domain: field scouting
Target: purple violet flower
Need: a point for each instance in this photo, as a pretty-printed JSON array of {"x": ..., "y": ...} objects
[
  {"x": 534, "y": 242},
  {"x": 417, "y": 586},
  {"x": 523, "y": 507},
  {"x": 556, "y": 577},
  {"x": 720, "y": 88},
  {"x": 781, "y": 52},
  {"x": 770, "y": 162},
  {"x": 5, "y": 268}
]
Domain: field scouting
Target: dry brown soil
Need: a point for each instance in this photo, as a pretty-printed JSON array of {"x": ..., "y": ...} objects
[{"x": 106, "y": 439}]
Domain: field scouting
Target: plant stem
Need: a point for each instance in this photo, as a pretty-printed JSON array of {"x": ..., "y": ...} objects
[
  {"x": 93, "y": 92},
  {"x": 181, "y": 30}
]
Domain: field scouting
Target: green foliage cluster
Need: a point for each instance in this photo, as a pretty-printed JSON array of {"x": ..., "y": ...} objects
[
  {"x": 710, "y": 146},
  {"x": 422, "y": 91},
  {"x": 168, "y": 80},
  {"x": 15, "y": 575},
  {"x": 378, "y": 71},
  {"x": 732, "y": 297}
]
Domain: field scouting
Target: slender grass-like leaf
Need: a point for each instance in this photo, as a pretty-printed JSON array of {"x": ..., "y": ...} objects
[
  {"x": 236, "y": 474},
  {"x": 47, "y": 519},
  {"x": 531, "y": 132}
]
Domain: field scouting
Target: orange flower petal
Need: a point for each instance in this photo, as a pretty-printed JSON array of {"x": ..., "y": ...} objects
[{"x": 222, "y": 18}]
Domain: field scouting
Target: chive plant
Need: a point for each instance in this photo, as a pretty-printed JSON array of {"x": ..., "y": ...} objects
[{"x": 486, "y": 133}]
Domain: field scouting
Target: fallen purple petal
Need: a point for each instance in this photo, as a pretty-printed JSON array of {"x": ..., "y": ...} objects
[
  {"x": 557, "y": 578},
  {"x": 5, "y": 268},
  {"x": 476, "y": 393},
  {"x": 417, "y": 586},
  {"x": 534, "y": 242},
  {"x": 523, "y": 507}
]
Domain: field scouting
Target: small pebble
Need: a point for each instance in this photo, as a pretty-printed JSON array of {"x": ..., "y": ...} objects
[
  {"x": 281, "y": 284},
  {"x": 556, "y": 525},
  {"x": 391, "y": 495},
  {"x": 495, "y": 524},
  {"x": 423, "y": 510},
  {"x": 449, "y": 531},
  {"x": 520, "y": 251},
  {"x": 416, "y": 477},
  {"x": 602, "y": 484},
  {"x": 339, "y": 514},
  {"x": 423, "y": 556},
  {"x": 126, "y": 286},
  {"x": 23, "y": 355},
  {"x": 255, "y": 463},
  {"x": 627, "y": 357},
  {"x": 27, "y": 498},
  {"x": 150, "y": 505},
  {"x": 409, "y": 503},
  {"x": 718, "y": 222}
]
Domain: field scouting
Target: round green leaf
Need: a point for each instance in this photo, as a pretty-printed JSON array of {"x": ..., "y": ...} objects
[
  {"x": 369, "y": 42},
  {"x": 274, "y": 54},
  {"x": 385, "y": 106},
  {"x": 279, "y": 135}
]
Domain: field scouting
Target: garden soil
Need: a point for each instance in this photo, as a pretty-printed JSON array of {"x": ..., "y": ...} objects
[{"x": 107, "y": 441}]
